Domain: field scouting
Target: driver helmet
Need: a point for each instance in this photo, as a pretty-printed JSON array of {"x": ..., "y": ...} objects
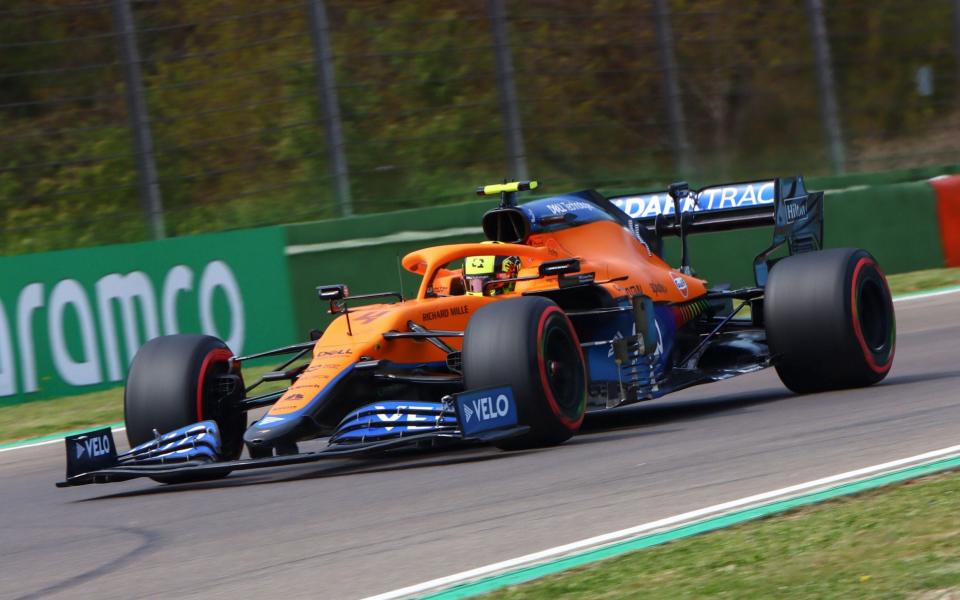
[{"x": 478, "y": 270}]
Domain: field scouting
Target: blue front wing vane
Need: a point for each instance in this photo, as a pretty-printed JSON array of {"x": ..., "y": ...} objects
[
  {"x": 197, "y": 442},
  {"x": 394, "y": 419},
  {"x": 465, "y": 414},
  {"x": 95, "y": 451}
]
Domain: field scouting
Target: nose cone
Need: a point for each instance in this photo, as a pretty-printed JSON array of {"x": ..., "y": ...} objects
[{"x": 271, "y": 431}]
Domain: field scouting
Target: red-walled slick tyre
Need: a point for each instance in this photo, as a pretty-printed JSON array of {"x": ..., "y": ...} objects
[
  {"x": 829, "y": 320},
  {"x": 529, "y": 344},
  {"x": 172, "y": 384}
]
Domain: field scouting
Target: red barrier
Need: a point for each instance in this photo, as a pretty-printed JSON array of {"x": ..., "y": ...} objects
[{"x": 947, "y": 190}]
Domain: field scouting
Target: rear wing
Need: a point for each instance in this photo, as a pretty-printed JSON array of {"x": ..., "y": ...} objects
[{"x": 784, "y": 203}]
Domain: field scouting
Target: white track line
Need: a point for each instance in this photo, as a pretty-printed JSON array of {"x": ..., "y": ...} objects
[
  {"x": 922, "y": 295},
  {"x": 45, "y": 442},
  {"x": 694, "y": 515}
]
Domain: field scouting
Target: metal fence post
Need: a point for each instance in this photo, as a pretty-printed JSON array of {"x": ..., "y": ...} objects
[
  {"x": 150, "y": 196},
  {"x": 828, "y": 99},
  {"x": 668, "y": 65},
  {"x": 512, "y": 129},
  {"x": 330, "y": 104}
]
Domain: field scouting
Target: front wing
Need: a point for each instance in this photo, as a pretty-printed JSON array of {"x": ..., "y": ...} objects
[
  {"x": 192, "y": 452},
  {"x": 212, "y": 470}
]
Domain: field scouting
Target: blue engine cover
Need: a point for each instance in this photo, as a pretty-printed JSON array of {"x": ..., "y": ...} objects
[
  {"x": 394, "y": 419},
  {"x": 577, "y": 205}
]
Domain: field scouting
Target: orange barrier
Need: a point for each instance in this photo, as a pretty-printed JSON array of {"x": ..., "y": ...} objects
[{"x": 947, "y": 190}]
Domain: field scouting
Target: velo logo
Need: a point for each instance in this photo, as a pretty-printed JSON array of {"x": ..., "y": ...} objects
[
  {"x": 482, "y": 410},
  {"x": 94, "y": 446},
  {"x": 487, "y": 408}
]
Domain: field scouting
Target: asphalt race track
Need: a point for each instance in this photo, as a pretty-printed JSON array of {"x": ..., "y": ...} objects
[{"x": 350, "y": 528}]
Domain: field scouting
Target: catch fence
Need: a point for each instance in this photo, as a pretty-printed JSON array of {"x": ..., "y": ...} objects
[{"x": 123, "y": 120}]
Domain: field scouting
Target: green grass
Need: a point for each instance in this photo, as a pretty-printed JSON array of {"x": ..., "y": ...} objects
[
  {"x": 33, "y": 419},
  {"x": 900, "y": 542},
  {"x": 915, "y": 281}
]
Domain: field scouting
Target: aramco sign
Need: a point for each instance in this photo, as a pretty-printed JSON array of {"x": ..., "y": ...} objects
[{"x": 72, "y": 321}]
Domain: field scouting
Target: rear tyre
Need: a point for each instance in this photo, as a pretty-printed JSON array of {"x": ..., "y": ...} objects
[
  {"x": 829, "y": 320},
  {"x": 172, "y": 383},
  {"x": 529, "y": 344}
]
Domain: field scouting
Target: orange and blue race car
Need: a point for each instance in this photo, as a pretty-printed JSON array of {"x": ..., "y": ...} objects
[{"x": 568, "y": 306}]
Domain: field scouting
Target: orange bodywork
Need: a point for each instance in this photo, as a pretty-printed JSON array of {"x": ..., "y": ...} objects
[{"x": 622, "y": 265}]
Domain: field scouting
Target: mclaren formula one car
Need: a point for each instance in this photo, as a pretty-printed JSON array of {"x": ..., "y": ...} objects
[{"x": 568, "y": 306}]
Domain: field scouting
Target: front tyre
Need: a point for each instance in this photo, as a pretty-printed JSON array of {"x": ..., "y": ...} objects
[
  {"x": 173, "y": 383},
  {"x": 529, "y": 344},
  {"x": 830, "y": 321}
]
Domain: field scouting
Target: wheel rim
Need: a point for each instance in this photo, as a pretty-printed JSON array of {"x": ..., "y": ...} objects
[
  {"x": 562, "y": 370},
  {"x": 874, "y": 320},
  {"x": 214, "y": 363},
  {"x": 209, "y": 402}
]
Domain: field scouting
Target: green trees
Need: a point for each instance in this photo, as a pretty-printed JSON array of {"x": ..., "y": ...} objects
[{"x": 239, "y": 132}]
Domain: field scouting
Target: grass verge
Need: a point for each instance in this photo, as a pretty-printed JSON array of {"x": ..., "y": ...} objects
[
  {"x": 917, "y": 281},
  {"x": 898, "y": 542},
  {"x": 33, "y": 419},
  {"x": 43, "y": 417}
]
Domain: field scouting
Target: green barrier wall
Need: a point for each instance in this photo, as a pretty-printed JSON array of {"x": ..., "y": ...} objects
[
  {"x": 897, "y": 222},
  {"x": 71, "y": 321},
  {"x": 372, "y": 226},
  {"x": 915, "y": 174}
]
